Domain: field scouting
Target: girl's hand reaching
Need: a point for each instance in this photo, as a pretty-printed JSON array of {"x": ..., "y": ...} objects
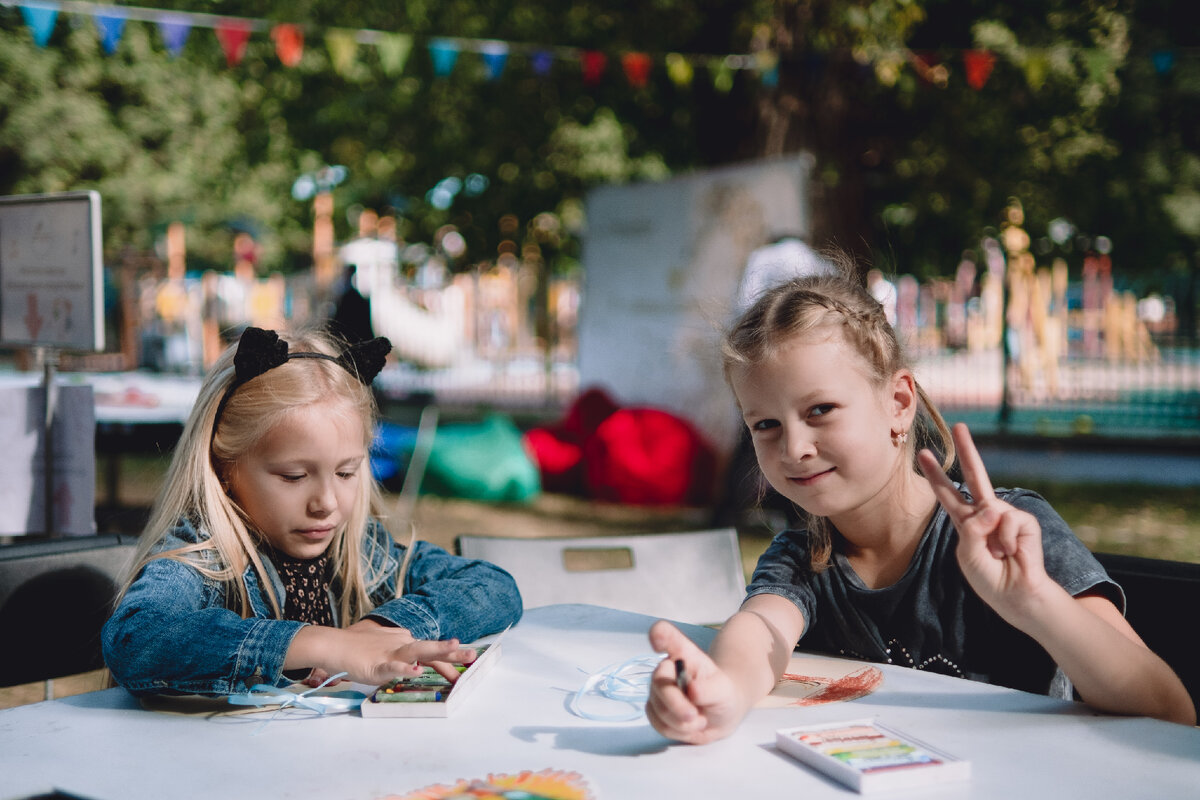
[
  {"x": 373, "y": 653},
  {"x": 999, "y": 546},
  {"x": 711, "y": 705}
]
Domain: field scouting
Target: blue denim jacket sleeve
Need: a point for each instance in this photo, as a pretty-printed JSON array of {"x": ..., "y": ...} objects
[
  {"x": 171, "y": 632},
  {"x": 445, "y": 596}
]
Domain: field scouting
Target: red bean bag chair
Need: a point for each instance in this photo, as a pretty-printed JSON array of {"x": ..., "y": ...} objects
[
  {"x": 558, "y": 449},
  {"x": 644, "y": 456}
]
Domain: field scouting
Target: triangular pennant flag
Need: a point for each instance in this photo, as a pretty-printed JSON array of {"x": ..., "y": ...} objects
[
  {"x": 1163, "y": 60},
  {"x": 40, "y": 20},
  {"x": 722, "y": 75},
  {"x": 174, "y": 29},
  {"x": 233, "y": 35},
  {"x": 111, "y": 25},
  {"x": 978, "y": 64},
  {"x": 343, "y": 49},
  {"x": 1037, "y": 67},
  {"x": 593, "y": 63},
  {"x": 679, "y": 70},
  {"x": 289, "y": 43},
  {"x": 495, "y": 56},
  {"x": 541, "y": 61},
  {"x": 394, "y": 49},
  {"x": 637, "y": 68},
  {"x": 444, "y": 53}
]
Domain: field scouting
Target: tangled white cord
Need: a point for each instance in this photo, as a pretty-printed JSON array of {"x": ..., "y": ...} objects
[{"x": 626, "y": 682}]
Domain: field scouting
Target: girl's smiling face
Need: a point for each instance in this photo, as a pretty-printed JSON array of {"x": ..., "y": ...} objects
[
  {"x": 822, "y": 430},
  {"x": 299, "y": 483}
]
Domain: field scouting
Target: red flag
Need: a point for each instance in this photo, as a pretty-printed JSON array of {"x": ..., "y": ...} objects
[
  {"x": 979, "y": 65},
  {"x": 593, "y": 63},
  {"x": 637, "y": 68},
  {"x": 233, "y": 35},
  {"x": 289, "y": 43}
]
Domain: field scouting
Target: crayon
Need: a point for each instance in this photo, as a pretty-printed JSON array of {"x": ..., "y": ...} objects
[
  {"x": 415, "y": 696},
  {"x": 681, "y": 676}
]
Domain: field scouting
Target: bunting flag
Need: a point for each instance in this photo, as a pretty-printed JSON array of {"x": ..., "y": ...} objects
[
  {"x": 111, "y": 26},
  {"x": 495, "y": 56},
  {"x": 978, "y": 65},
  {"x": 679, "y": 70},
  {"x": 289, "y": 43},
  {"x": 342, "y": 44},
  {"x": 540, "y": 62},
  {"x": 444, "y": 53},
  {"x": 40, "y": 19},
  {"x": 174, "y": 30},
  {"x": 393, "y": 49},
  {"x": 1037, "y": 67},
  {"x": 637, "y": 68},
  {"x": 593, "y": 63},
  {"x": 233, "y": 35}
]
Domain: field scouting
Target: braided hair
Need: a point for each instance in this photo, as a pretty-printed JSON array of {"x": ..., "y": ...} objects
[{"x": 840, "y": 301}]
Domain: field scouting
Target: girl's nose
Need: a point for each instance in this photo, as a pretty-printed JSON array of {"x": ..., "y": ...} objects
[
  {"x": 323, "y": 500},
  {"x": 797, "y": 444}
]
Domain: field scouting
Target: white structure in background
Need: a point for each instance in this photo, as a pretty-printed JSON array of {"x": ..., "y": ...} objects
[
  {"x": 662, "y": 266},
  {"x": 429, "y": 333}
]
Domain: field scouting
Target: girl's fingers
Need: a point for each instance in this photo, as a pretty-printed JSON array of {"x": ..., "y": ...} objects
[{"x": 974, "y": 473}]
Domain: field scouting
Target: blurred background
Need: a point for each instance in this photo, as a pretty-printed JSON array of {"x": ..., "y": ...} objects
[{"x": 549, "y": 207}]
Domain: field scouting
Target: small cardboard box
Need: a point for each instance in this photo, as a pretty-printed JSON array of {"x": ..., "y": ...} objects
[{"x": 437, "y": 698}]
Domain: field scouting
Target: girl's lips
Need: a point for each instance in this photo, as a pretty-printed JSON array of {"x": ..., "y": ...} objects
[
  {"x": 315, "y": 533},
  {"x": 809, "y": 480}
]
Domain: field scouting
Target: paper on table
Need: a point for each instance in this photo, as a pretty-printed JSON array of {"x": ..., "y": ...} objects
[
  {"x": 548, "y": 784},
  {"x": 812, "y": 680}
]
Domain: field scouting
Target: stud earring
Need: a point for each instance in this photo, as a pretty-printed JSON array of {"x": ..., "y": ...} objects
[{"x": 900, "y": 436}]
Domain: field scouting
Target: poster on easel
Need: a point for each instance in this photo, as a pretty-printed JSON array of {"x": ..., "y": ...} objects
[{"x": 51, "y": 271}]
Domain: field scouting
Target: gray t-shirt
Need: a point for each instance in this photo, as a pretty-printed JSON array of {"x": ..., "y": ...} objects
[{"x": 930, "y": 619}]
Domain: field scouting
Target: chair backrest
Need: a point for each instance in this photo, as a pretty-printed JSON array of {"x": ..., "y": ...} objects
[
  {"x": 55, "y": 595},
  {"x": 1162, "y": 598},
  {"x": 693, "y": 577}
]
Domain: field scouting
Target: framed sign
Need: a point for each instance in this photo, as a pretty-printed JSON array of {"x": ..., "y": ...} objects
[{"x": 51, "y": 275}]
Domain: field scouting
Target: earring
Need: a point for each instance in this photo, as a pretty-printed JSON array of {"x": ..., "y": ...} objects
[{"x": 900, "y": 437}]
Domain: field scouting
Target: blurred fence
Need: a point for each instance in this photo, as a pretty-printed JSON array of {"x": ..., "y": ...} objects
[{"x": 1065, "y": 361}]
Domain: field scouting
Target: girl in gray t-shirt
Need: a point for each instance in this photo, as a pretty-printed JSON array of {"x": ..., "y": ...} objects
[{"x": 895, "y": 562}]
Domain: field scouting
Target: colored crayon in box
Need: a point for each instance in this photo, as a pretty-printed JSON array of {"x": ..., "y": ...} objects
[{"x": 411, "y": 696}]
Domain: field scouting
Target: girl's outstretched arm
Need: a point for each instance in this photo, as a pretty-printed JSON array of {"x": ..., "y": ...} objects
[
  {"x": 1000, "y": 554},
  {"x": 743, "y": 664},
  {"x": 371, "y": 653}
]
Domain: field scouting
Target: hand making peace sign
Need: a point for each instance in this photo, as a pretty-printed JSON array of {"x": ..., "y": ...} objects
[{"x": 999, "y": 546}]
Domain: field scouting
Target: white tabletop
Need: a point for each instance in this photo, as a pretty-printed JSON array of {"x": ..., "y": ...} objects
[{"x": 103, "y": 746}]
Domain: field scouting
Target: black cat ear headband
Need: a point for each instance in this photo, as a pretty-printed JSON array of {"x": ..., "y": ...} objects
[{"x": 261, "y": 350}]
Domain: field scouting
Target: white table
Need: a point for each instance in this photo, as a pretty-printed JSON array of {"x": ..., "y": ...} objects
[{"x": 104, "y": 746}]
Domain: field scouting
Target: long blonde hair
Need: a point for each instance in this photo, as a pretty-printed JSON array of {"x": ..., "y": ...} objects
[
  {"x": 802, "y": 305},
  {"x": 193, "y": 488}
]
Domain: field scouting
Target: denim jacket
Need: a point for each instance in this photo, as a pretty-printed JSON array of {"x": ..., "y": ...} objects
[{"x": 174, "y": 630}]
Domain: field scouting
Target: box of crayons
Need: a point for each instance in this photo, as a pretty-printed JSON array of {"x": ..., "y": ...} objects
[{"x": 431, "y": 694}]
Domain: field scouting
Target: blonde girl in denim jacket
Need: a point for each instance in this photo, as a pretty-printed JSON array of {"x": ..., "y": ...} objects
[{"x": 264, "y": 560}]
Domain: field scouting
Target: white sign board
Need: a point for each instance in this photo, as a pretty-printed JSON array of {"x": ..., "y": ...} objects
[
  {"x": 51, "y": 274},
  {"x": 662, "y": 263},
  {"x": 23, "y": 468}
]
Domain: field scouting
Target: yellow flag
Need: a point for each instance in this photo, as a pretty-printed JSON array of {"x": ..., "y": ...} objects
[{"x": 343, "y": 49}]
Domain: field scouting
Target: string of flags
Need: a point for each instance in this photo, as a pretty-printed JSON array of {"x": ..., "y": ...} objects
[{"x": 394, "y": 49}]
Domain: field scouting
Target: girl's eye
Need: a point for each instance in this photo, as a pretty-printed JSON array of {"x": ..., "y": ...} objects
[
  {"x": 347, "y": 475},
  {"x": 764, "y": 424},
  {"x": 821, "y": 410},
  {"x": 292, "y": 478}
]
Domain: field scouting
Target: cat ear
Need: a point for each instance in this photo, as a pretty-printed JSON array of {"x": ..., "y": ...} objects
[{"x": 366, "y": 359}]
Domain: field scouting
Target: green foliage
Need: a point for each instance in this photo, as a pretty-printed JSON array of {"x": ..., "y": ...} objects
[{"x": 913, "y": 164}]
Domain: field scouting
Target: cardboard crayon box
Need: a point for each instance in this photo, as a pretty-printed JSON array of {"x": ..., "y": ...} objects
[{"x": 429, "y": 694}]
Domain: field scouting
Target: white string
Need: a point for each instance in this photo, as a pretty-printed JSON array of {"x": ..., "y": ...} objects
[{"x": 626, "y": 682}]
